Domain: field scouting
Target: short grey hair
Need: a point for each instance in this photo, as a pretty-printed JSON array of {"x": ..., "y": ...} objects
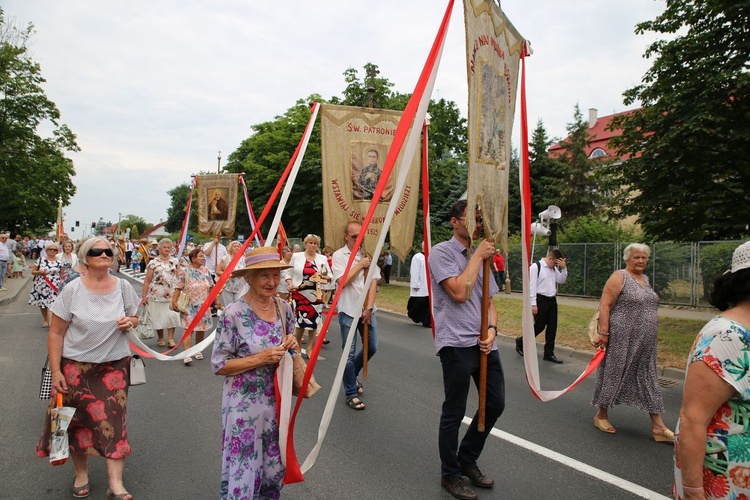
[
  {"x": 166, "y": 240},
  {"x": 87, "y": 245},
  {"x": 635, "y": 247}
]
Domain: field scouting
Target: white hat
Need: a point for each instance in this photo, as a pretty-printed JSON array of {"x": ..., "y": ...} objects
[{"x": 741, "y": 257}]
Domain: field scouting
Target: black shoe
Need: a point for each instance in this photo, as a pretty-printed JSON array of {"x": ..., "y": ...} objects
[
  {"x": 553, "y": 359},
  {"x": 457, "y": 487},
  {"x": 519, "y": 346},
  {"x": 477, "y": 478}
]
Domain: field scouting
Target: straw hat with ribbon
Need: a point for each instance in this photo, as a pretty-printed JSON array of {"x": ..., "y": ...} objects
[{"x": 260, "y": 258}]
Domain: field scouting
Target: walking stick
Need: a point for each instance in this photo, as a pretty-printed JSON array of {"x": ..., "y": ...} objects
[
  {"x": 365, "y": 334},
  {"x": 483, "y": 336}
]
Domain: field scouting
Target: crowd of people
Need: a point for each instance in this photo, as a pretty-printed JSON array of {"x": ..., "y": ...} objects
[{"x": 271, "y": 300}]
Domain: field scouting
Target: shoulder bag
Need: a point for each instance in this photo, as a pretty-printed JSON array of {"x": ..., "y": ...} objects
[
  {"x": 137, "y": 366},
  {"x": 593, "y": 329},
  {"x": 45, "y": 389}
]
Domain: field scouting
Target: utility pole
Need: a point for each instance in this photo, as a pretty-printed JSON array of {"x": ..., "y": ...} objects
[{"x": 218, "y": 167}]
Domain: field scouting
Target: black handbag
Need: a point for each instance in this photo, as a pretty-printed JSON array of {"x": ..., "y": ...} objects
[{"x": 45, "y": 389}]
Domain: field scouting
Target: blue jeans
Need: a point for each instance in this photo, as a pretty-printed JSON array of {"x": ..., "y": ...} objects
[
  {"x": 3, "y": 271},
  {"x": 354, "y": 362}
]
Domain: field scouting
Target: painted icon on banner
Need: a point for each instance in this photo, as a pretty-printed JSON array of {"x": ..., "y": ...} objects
[
  {"x": 218, "y": 208},
  {"x": 366, "y": 171},
  {"x": 493, "y": 99}
]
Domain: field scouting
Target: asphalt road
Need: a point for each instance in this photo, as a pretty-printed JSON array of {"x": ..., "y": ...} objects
[{"x": 537, "y": 451}]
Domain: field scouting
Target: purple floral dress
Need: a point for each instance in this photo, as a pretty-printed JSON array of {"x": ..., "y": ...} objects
[{"x": 251, "y": 458}]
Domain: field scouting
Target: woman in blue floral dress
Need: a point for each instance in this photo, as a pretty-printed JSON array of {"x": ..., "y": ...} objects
[
  {"x": 712, "y": 444},
  {"x": 251, "y": 339}
]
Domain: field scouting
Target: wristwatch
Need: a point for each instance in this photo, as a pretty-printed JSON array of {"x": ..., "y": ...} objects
[{"x": 494, "y": 327}]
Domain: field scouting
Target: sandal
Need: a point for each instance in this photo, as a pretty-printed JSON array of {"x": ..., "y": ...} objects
[
  {"x": 119, "y": 496},
  {"x": 80, "y": 491},
  {"x": 603, "y": 425},
  {"x": 161, "y": 343},
  {"x": 171, "y": 343},
  {"x": 360, "y": 387},
  {"x": 199, "y": 356},
  {"x": 355, "y": 403}
]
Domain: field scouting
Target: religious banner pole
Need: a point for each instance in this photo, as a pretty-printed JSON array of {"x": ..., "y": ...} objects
[{"x": 482, "y": 337}]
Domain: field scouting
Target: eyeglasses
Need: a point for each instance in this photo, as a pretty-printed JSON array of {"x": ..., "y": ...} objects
[
  {"x": 354, "y": 236},
  {"x": 478, "y": 220},
  {"x": 312, "y": 236},
  {"x": 52, "y": 250},
  {"x": 97, "y": 252}
]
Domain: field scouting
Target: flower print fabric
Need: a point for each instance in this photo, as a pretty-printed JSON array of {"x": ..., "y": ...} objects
[
  {"x": 196, "y": 283},
  {"x": 251, "y": 458},
  {"x": 306, "y": 304},
  {"x": 99, "y": 393},
  {"x": 164, "y": 280},
  {"x": 45, "y": 291},
  {"x": 723, "y": 345}
]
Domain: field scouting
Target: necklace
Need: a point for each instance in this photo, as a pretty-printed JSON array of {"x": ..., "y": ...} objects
[{"x": 261, "y": 308}]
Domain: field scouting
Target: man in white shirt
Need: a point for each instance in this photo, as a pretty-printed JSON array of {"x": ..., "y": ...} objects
[
  {"x": 215, "y": 252},
  {"x": 352, "y": 286},
  {"x": 418, "y": 307},
  {"x": 4, "y": 259},
  {"x": 544, "y": 276}
]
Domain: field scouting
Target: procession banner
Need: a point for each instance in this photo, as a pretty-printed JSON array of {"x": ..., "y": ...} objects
[
  {"x": 355, "y": 142},
  {"x": 493, "y": 51},
  {"x": 217, "y": 204}
]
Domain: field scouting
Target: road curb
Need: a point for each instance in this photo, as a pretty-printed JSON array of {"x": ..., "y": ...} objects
[{"x": 13, "y": 293}]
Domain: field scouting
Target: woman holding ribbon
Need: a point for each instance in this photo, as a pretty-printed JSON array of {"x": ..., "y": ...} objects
[
  {"x": 158, "y": 288},
  {"x": 46, "y": 286},
  {"x": 89, "y": 357},
  {"x": 195, "y": 281},
  {"x": 252, "y": 336},
  {"x": 308, "y": 271}
]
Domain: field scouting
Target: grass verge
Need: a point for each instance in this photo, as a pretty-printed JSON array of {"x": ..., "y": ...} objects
[{"x": 675, "y": 335}]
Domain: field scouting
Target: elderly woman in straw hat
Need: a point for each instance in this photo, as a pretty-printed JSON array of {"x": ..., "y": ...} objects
[{"x": 251, "y": 338}]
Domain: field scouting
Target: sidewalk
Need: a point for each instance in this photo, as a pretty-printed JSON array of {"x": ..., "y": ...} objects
[{"x": 15, "y": 286}]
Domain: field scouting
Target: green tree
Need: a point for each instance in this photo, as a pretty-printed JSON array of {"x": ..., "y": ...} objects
[
  {"x": 576, "y": 185},
  {"x": 34, "y": 172},
  {"x": 131, "y": 220},
  {"x": 689, "y": 145},
  {"x": 177, "y": 206},
  {"x": 544, "y": 170}
]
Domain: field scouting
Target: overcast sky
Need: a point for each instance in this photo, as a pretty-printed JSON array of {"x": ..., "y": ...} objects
[{"x": 155, "y": 89}]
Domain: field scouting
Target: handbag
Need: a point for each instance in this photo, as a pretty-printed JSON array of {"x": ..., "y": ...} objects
[
  {"x": 183, "y": 302},
  {"x": 45, "y": 389},
  {"x": 137, "y": 370},
  {"x": 144, "y": 328},
  {"x": 593, "y": 329},
  {"x": 298, "y": 377}
]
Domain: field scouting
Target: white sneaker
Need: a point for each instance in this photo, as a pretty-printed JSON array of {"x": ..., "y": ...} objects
[{"x": 3, "y": 289}]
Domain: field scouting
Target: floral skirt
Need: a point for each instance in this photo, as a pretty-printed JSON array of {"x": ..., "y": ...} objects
[{"x": 99, "y": 393}]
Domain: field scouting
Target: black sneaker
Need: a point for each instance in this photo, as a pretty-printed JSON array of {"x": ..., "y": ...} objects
[
  {"x": 519, "y": 345},
  {"x": 457, "y": 487}
]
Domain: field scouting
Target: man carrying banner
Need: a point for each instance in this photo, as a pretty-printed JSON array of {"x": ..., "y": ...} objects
[
  {"x": 352, "y": 285},
  {"x": 456, "y": 274}
]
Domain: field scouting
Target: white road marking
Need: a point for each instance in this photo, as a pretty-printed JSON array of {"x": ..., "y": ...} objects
[{"x": 575, "y": 464}]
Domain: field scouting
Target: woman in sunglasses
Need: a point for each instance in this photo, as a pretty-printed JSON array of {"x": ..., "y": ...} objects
[
  {"x": 89, "y": 357},
  {"x": 46, "y": 272}
]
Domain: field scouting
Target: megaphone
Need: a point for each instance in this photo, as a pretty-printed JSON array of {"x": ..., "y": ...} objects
[
  {"x": 538, "y": 229},
  {"x": 552, "y": 212}
]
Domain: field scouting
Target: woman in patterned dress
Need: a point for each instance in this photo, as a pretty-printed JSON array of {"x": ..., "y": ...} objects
[
  {"x": 89, "y": 357},
  {"x": 250, "y": 341},
  {"x": 712, "y": 447},
  {"x": 627, "y": 323},
  {"x": 158, "y": 288},
  {"x": 307, "y": 306},
  {"x": 234, "y": 287},
  {"x": 46, "y": 286},
  {"x": 194, "y": 280},
  {"x": 69, "y": 260}
]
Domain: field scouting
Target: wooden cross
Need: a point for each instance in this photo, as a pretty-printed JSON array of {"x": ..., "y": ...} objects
[{"x": 319, "y": 279}]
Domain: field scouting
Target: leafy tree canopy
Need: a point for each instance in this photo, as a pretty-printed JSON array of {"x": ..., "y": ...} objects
[
  {"x": 689, "y": 145},
  {"x": 34, "y": 172},
  {"x": 131, "y": 220},
  {"x": 263, "y": 156}
]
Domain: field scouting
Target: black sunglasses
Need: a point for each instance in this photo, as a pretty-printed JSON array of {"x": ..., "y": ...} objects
[{"x": 97, "y": 252}]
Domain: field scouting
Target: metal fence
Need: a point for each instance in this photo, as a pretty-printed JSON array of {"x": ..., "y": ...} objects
[{"x": 681, "y": 273}]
